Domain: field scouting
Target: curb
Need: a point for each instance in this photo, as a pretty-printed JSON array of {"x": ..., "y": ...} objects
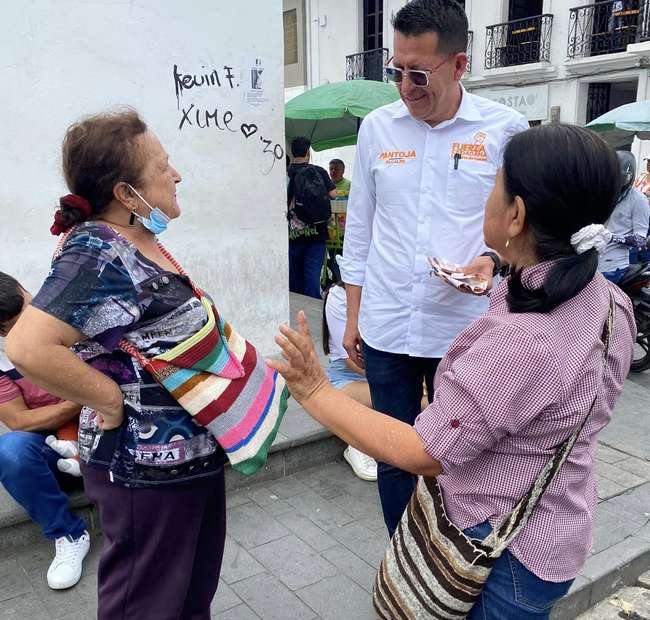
[{"x": 603, "y": 574}]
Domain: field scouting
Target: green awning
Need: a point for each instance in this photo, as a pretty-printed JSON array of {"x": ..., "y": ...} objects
[
  {"x": 330, "y": 115},
  {"x": 620, "y": 125}
]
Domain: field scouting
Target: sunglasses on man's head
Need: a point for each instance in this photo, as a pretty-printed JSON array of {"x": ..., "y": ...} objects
[{"x": 417, "y": 77}]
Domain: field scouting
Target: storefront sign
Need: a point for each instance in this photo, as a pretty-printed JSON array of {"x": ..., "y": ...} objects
[{"x": 531, "y": 101}]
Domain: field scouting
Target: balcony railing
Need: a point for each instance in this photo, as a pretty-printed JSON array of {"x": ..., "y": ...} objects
[
  {"x": 518, "y": 42},
  {"x": 643, "y": 30},
  {"x": 603, "y": 28},
  {"x": 470, "y": 45},
  {"x": 367, "y": 65}
]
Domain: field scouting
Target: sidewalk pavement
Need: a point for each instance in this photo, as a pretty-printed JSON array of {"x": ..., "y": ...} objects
[
  {"x": 306, "y": 546},
  {"x": 631, "y": 603},
  {"x": 301, "y": 547}
]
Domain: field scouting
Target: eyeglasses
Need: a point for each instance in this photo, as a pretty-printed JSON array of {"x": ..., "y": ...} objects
[{"x": 418, "y": 77}]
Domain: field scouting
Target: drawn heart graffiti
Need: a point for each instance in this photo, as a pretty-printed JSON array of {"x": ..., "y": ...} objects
[{"x": 248, "y": 130}]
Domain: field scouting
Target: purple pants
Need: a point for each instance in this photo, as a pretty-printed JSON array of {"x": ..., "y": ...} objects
[{"x": 162, "y": 549}]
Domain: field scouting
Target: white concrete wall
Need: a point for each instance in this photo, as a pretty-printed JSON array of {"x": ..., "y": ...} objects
[
  {"x": 294, "y": 74},
  {"x": 62, "y": 59}
]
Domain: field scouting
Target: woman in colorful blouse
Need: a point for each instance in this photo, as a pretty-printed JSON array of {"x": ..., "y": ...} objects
[
  {"x": 518, "y": 381},
  {"x": 156, "y": 477}
]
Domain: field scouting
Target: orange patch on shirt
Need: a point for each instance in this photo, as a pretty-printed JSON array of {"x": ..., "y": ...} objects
[
  {"x": 396, "y": 157},
  {"x": 475, "y": 152}
]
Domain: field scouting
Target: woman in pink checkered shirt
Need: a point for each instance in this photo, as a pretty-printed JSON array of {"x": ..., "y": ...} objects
[{"x": 519, "y": 380}]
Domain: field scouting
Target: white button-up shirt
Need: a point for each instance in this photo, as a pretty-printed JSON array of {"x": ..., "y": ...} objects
[{"x": 420, "y": 191}]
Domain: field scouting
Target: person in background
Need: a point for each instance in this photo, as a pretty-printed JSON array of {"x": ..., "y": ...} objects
[
  {"x": 628, "y": 223},
  {"x": 337, "y": 223},
  {"x": 308, "y": 211},
  {"x": 337, "y": 170},
  {"x": 29, "y": 466},
  {"x": 615, "y": 20},
  {"x": 516, "y": 383},
  {"x": 424, "y": 168},
  {"x": 343, "y": 374},
  {"x": 155, "y": 476}
]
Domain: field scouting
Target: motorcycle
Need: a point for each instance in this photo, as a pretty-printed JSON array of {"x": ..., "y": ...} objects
[{"x": 636, "y": 284}]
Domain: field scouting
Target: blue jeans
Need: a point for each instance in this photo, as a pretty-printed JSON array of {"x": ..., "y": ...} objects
[
  {"x": 512, "y": 592},
  {"x": 615, "y": 276},
  {"x": 340, "y": 375},
  {"x": 27, "y": 471},
  {"x": 305, "y": 266},
  {"x": 395, "y": 382}
]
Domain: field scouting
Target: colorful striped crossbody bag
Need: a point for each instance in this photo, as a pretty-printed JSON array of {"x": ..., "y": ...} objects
[{"x": 220, "y": 379}]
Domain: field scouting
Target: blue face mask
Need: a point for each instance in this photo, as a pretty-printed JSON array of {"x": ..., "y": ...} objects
[{"x": 157, "y": 221}]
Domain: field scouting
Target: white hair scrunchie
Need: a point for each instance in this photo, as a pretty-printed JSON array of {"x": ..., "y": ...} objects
[{"x": 589, "y": 237}]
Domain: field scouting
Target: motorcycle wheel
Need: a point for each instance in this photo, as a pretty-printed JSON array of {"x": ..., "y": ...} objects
[{"x": 641, "y": 356}]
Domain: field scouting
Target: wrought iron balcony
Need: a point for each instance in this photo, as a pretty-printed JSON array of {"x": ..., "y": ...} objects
[
  {"x": 367, "y": 65},
  {"x": 519, "y": 42},
  {"x": 603, "y": 28},
  {"x": 643, "y": 30},
  {"x": 470, "y": 45}
]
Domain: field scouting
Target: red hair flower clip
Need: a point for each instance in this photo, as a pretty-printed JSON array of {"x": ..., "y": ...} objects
[{"x": 70, "y": 201}]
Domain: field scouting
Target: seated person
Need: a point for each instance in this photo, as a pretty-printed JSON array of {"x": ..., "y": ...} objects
[
  {"x": 343, "y": 373},
  {"x": 28, "y": 464},
  {"x": 628, "y": 223}
]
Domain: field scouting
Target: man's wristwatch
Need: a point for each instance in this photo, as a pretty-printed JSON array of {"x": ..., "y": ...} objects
[{"x": 496, "y": 259}]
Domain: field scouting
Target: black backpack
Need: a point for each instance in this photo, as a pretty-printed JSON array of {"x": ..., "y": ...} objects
[{"x": 311, "y": 197}]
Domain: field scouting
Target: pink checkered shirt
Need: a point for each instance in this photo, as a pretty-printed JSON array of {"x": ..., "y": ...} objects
[{"x": 510, "y": 389}]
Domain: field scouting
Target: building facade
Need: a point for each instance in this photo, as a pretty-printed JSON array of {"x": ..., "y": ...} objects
[{"x": 566, "y": 60}]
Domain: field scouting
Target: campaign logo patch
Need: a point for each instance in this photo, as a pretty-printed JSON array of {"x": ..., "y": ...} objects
[{"x": 396, "y": 157}]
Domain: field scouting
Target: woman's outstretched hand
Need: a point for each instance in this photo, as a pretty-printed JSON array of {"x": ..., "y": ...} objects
[{"x": 301, "y": 370}]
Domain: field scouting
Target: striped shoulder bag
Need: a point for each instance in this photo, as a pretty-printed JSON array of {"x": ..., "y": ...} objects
[
  {"x": 220, "y": 379},
  {"x": 431, "y": 569}
]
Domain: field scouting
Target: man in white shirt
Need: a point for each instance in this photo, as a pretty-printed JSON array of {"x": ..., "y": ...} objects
[{"x": 425, "y": 166}]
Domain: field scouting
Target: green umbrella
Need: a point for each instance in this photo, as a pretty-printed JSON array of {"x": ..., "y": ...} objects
[
  {"x": 329, "y": 115},
  {"x": 619, "y": 126}
]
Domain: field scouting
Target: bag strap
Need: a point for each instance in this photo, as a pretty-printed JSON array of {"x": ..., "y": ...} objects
[
  {"x": 61, "y": 242},
  {"x": 167, "y": 254},
  {"x": 516, "y": 520},
  {"x": 134, "y": 352}
]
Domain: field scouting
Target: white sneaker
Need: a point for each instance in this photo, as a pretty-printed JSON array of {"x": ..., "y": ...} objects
[
  {"x": 65, "y": 570},
  {"x": 364, "y": 466}
]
